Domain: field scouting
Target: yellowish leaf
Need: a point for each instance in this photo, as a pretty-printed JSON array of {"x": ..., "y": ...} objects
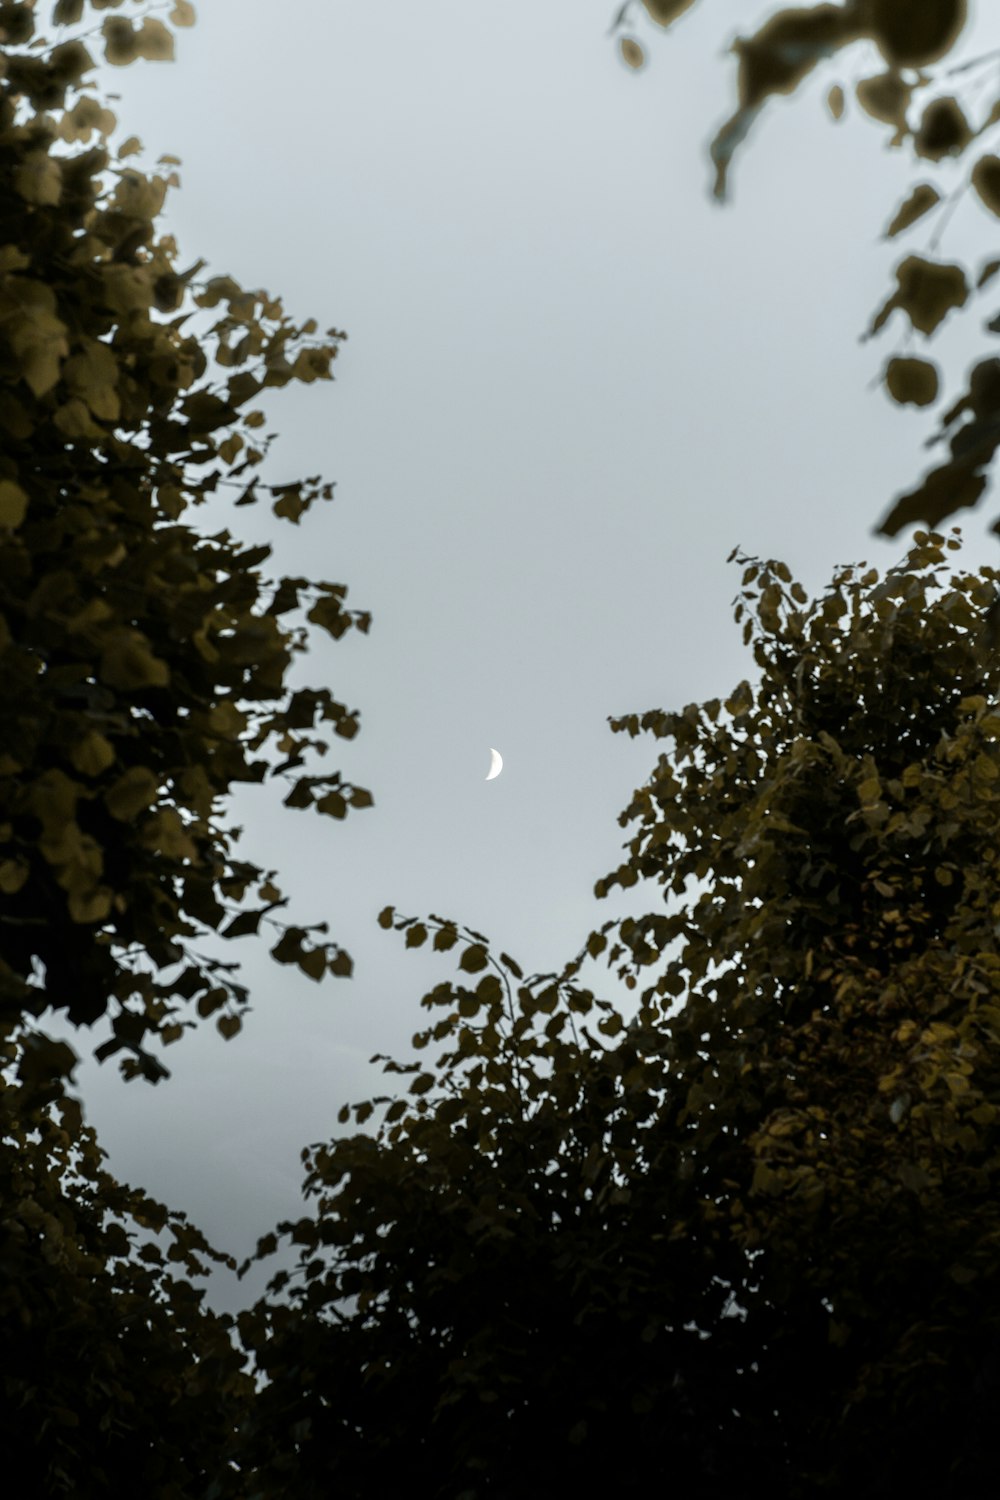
[
  {"x": 13, "y": 874},
  {"x": 13, "y": 504},
  {"x": 93, "y": 754},
  {"x": 665, "y": 11},
  {"x": 921, "y": 201},
  {"x": 631, "y": 52},
  {"x": 92, "y": 905},
  {"x": 132, "y": 793},
  {"x": 128, "y": 663},
  {"x": 912, "y": 382},
  {"x": 154, "y": 41},
  {"x": 39, "y": 179},
  {"x": 986, "y": 181}
]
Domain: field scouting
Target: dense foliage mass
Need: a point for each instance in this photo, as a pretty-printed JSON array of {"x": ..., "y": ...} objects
[
  {"x": 750, "y": 1230},
  {"x": 116, "y": 1380},
  {"x": 911, "y": 94},
  {"x": 144, "y": 661}
]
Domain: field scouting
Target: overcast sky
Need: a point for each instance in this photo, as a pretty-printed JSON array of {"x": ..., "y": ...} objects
[{"x": 573, "y": 384}]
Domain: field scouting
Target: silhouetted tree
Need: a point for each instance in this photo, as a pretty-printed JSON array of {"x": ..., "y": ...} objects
[{"x": 746, "y": 1236}]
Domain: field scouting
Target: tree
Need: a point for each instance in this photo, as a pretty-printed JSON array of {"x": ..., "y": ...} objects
[
  {"x": 144, "y": 675},
  {"x": 747, "y": 1234},
  {"x": 145, "y": 663},
  {"x": 911, "y": 95},
  {"x": 836, "y": 1052},
  {"x": 116, "y": 1379}
]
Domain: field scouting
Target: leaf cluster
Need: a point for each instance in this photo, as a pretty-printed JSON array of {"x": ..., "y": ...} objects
[
  {"x": 911, "y": 94},
  {"x": 145, "y": 662}
]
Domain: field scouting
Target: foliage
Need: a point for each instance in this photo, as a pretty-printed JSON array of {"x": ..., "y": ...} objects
[
  {"x": 743, "y": 1230},
  {"x": 912, "y": 97},
  {"x": 500, "y": 1291},
  {"x": 144, "y": 673},
  {"x": 145, "y": 663},
  {"x": 749, "y": 1229},
  {"x": 115, "y": 1379}
]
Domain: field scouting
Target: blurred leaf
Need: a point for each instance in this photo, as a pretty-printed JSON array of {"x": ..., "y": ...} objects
[
  {"x": 921, "y": 200},
  {"x": 912, "y": 380}
]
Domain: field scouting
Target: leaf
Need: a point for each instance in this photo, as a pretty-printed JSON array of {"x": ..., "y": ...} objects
[
  {"x": 664, "y": 12},
  {"x": 943, "y": 130},
  {"x": 942, "y": 492},
  {"x": 416, "y": 935},
  {"x": 212, "y": 1001},
  {"x": 912, "y": 381},
  {"x": 912, "y": 36},
  {"x": 92, "y": 905},
  {"x": 385, "y": 916},
  {"x": 921, "y": 201},
  {"x": 886, "y": 97},
  {"x": 132, "y": 793},
  {"x": 986, "y": 181},
  {"x": 127, "y": 662},
  {"x": 329, "y": 613},
  {"x": 631, "y": 52},
  {"x": 93, "y": 754},
  {"x": 13, "y": 874},
  {"x": 154, "y": 41},
  {"x": 288, "y": 948},
  {"x": 333, "y": 804},
  {"x": 13, "y": 504},
  {"x": 92, "y": 375},
  {"x": 206, "y": 412},
  {"x": 244, "y": 924},
  {"x": 835, "y": 101},
  {"x": 39, "y": 180},
  {"x": 183, "y": 13},
  {"x": 926, "y": 292},
  {"x": 312, "y": 962},
  {"x": 473, "y": 959},
  {"x": 120, "y": 44},
  {"x": 341, "y": 965},
  {"x": 301, "y": 794}
]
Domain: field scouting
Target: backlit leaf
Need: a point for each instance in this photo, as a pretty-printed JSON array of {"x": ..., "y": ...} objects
[
  {"x": 986, "y": 181},
  {"x": 921, "y": 200},
  {"x": 913, "y": 381},
  {"x": 927, "y": 292}
]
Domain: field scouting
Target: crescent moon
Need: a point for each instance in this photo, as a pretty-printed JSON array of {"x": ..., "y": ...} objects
[{"x": 496, "y": 765}]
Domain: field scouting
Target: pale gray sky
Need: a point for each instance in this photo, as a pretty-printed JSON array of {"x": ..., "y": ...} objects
[{"x": 573, "y": 383}]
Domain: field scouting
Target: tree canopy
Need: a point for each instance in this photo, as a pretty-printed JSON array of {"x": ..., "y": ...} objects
[
  {"x": 746, "y": 1232},
  {"x": 913, "y": 95},
  {"x": 145, "y": 661},
  {"x": 145, "y": 674}
]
